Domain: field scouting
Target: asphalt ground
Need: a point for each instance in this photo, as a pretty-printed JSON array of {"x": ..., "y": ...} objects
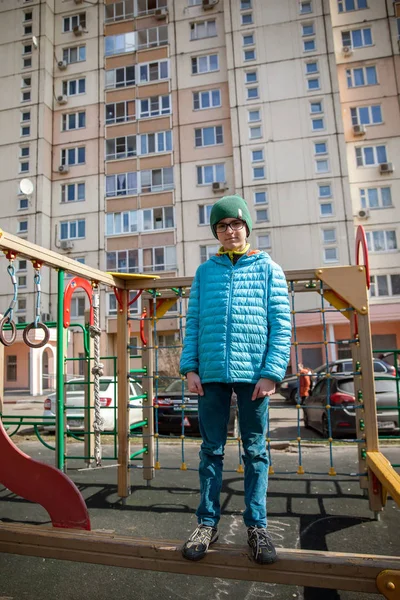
[{"x": 310, "y": 511}]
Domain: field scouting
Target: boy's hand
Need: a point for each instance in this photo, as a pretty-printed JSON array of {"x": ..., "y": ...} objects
[
  {"x": 264, "y": 387},
  {"x": 194, "y": 383}
]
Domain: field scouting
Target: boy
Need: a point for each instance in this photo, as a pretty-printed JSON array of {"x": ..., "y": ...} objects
[{"x": 238, "y": 336}]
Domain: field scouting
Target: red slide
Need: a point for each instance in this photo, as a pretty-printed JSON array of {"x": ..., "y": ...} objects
[{"x": 42, "y": 484}]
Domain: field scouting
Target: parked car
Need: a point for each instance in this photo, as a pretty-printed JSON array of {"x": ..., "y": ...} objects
[
  {"x": 342, "y": 400},
  {"x": 289, "y": 385},
  {"x": 169, "y": 413},
  {"x": 75, "y": 401}
]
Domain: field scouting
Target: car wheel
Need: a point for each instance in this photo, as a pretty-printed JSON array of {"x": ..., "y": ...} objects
[{"x": 293, "y": 396}]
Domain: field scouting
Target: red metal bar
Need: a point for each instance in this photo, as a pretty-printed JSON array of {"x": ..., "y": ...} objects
[{"x": 75, "y": 284}]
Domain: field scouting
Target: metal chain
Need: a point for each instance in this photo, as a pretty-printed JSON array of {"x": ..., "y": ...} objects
[
  {"x": 10, "y": 311},
  {"x": 97, "y": 372}
]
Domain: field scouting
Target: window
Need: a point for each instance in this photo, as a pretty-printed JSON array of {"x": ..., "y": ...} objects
[
  {"x": 305, "y": 8},
  {"x": 154, "y": 107},
  {"x": 123, "y": 261},
  {"x": 330, "y": 251},
  {"x": 69, "y": 23},
  {"x": 11, "y": 367},
  {"x": 72, "y": 230},
  {"x": 317, "y": 124},
  {"x": 24, "y": 166},
  {"x": 27, "y": 63},
  {"x": 316, "y": 107},
  {"x": 77, "y": 306},
  {"x": 154, "y": 71},
  {"x": 381, "y": 241},
  {"x": 324, "y": 190},
  {"x": 208, "y": 136},
  {"x": 313, "y": 84},
  {"x": 24, "y": 151},
  {"x": 121, "y": 147},
  {"x": 251, "y": 77},
  {"x": 252, "y": 93},
  {"x": 204, "y": 214},
  {"x": 385, "y": 285},
  {"x": 120, "y": 112},
  {"x": 25, "y": 131},
  {"x": 262, "y": 215},
  {"x": 27, "y": 49},
  {"x": 320, "y": 148},
  {"x": 119, "y": 11},
  {"x": 75, "y": 54},
  {"x": 26, "y": 82},
  {"x": 312, "y": 67},
  {"x": 159, "y": 259},
  {"x": 207, "y": 99},
  {"x": 255, "y": 132},
  {"x": 121, "y": 77},
  {"x": 158, "y": 218},
  {"x": 329, "y": 236},
  {"x": 28, "y": 16},
  {"x": 195, "y": 2},
  {"x": 308, "y": 35},
  {"x": 23, "y": 203},
  {"x": 74, "y": 121},
  {"x": 245, "y": 4},
  {"x": 209, "y": 174},
  {"x": 26, "y": 116},
  {"x": 309, "y": 45},
  {"x": 307, "y": 29},
  {"x": 259, "y": 172},
  {"x": 321, "y": 166},
  {"x": 257, "y": 155},
  {"x": 73, "y": 156},
  {"x": 326, "y": 209},
  {"x": 121, "y": 43},
  {"x": 151, "y": 38},
  {"x": 26, "y": 96},
  {"x": 357, "y": 38},
  {"x": 247, "y": 18},
  {"x": 205, "y": 64},
  {"x": 22, "y": 226},
  {"x": 203, "y": 29},
  {"x": 367, "y": 156},
  {"x": 73, "y": 192},
  {"x": 330, "y": 255},
  {"x": 264, "y": 241},
  {"x": 122, "y": 222},
  {"x": 28, "y": 30},
  {"x": 74, "y": 87},
  {"x": 348, "y": 5},
  {"x": 324, "y": 194},
  {"x": 380, "y": 197},
  {"x": 366, "y": 115},
  {"x": 254, "y": 116},
  {"x": 248, "y": 40},
  {"x": 361, "y": 76},
  {"x": 156, "y": 180},
  {"x": 150, "y": 143},
  {"x": 249, "y": 54},
  {"x": 22, "y": 265},
  {"x": 122, "y": 184},
  {"x": 22, "y": 281},
  {"x": 21, "y": 304},
  {"x": 146, "y": 7},
  {"x": 260, "y": 197},
  {"x": 207, "y": 252}
]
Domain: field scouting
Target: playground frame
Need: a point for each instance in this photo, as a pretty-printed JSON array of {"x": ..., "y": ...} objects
[{"x": 346, "y": 289}]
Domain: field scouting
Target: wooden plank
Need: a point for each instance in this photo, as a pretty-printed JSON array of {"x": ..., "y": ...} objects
[
  {"x": 379, "y": 464},
  {"x": 148, "y": 410},
  {"x": 123, "y": 396},
  {"x": 58, "y": 261},
  {"x": 353, "y": 572}
]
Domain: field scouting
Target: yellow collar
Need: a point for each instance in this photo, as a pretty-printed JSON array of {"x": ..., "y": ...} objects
[{"x": 231, "y": 253}]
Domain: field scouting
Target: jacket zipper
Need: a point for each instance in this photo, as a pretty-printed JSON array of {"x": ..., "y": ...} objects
[{"x": 228, "y": 337}]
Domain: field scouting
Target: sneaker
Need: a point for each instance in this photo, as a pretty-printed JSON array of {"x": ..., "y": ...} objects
[
  {"x": 197, "y": 545},
  {"x": 262, "y": 548}
]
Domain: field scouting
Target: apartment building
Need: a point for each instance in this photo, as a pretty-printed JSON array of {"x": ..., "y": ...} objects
[{"x": 132, "y": 117}]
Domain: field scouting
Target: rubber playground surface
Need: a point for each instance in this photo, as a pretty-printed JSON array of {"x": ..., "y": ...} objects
[{"x": 315, "y": 512}]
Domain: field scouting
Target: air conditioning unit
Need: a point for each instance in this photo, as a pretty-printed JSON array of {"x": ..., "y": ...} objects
[
  {"x": 347, "y": 51},
  {"x": 363, "y": 213},
  {"x": 208, "y": 4},
  {"x": 66, "y": 244},
  {"x": 62, "y": 99},
  {"x": 63, "y": 169},
  {"x": 359, "y": 130},
  {"x": 46, "y": 317},
  {"x": 219, "y": 186},
  {"x": 386, "y": 168},
  {"x": 161, "y": 13},
  {"x": 78, "y": 30},
  {"x": 62, "y": 65}
]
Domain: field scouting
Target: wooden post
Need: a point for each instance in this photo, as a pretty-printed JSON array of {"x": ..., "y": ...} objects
[
  {"x": 89, "y": 400},
  {"x": 148, "y": 410},
  {"x": 370, "y": 415},
  {"x": 123, "y": 396}
]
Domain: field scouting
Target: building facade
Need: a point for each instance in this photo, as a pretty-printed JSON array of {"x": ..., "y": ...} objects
[{"x": 132, "y": 117}]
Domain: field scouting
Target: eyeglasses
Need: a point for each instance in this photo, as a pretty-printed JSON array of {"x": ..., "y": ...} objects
[{"x": 235, "y": 226}]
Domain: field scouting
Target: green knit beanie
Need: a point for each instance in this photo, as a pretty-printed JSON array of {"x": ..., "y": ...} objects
[{"x": 230, "y": 207}]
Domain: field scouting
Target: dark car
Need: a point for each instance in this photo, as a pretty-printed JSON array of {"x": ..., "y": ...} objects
[
  {"x": 340, "y": 396},
  {"x": 288, "y": 387},
  {"x": 170, "y": 413}
]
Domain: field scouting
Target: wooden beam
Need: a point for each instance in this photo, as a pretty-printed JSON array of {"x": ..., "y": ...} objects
[
  {"x": 333, "y": 570},
  {"x": 381, "y": 467}
]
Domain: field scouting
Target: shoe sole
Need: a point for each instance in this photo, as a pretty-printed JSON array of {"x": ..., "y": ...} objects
[
  {"x": 199, "y": 557},
  {"x": 269, "y": 561}
]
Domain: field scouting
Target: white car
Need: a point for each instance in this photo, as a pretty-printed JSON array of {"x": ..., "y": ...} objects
[{"x": 75, "y": 402}]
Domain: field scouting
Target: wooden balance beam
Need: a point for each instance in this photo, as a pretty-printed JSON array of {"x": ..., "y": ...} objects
[{"x": 334, "y": 570}]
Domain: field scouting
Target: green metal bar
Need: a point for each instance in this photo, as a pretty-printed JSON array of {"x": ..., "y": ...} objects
[
  {"x": 138, "y": 453},
  {"x": 137, "y": 425},
  {"x": 60, "y": 442},
  {"x": 144, "y": 370},
  {"x": 39, "y": 437}
]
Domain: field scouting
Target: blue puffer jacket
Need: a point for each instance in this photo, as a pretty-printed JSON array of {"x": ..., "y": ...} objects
[{"x": 238, "y": 321}]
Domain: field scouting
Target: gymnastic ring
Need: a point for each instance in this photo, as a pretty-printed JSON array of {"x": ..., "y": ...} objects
[
  {"x": 31, "y": 326},
  {"x": 11, "y": 340}
]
